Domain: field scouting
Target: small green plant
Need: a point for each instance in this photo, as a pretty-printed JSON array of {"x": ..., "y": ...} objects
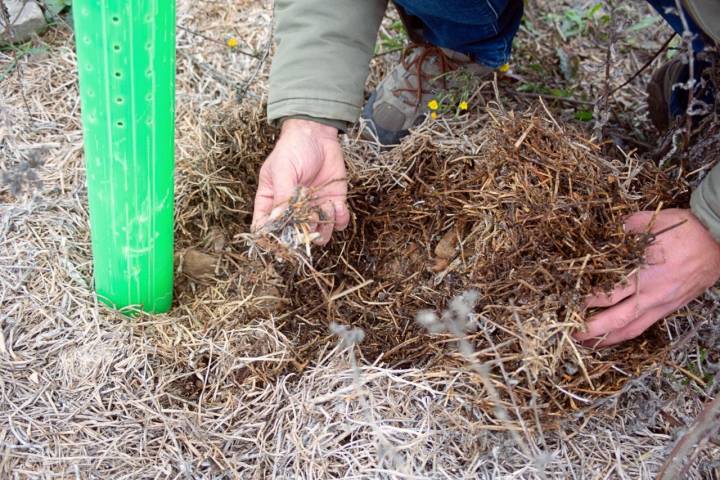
[
  {"x": 21, "y": 51},
  {"x": 454, "y": 100},
  {"x": 577, "y": 22},
  {"x": 583, "y": 115},
  {"x": 54, "y": 7},
  {"x": 646, "y": 22},
  {"x": 394, "y": 40},
  {"x": 706, "y": 376},
  {"x": 533, "y": 87}
]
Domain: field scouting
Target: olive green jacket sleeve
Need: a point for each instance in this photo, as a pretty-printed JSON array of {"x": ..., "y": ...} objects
[
  {"x": 323, "y": 53},
  {"x": 705, "y": 202}
]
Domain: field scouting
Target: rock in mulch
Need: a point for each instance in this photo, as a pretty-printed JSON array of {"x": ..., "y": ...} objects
[{"x": 25, "y": 19}]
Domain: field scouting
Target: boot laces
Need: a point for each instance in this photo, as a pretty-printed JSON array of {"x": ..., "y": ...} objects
[{"x": 445, "y": 63}]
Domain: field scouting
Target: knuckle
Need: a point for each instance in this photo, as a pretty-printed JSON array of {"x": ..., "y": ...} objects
[
  {"x": 619, "y": 321},
  {"x": 634, "y": 331},
  {"x": 624, "y": 319}
]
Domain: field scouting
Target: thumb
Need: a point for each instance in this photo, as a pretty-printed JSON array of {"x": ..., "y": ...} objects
[
  {"x": 284, "y": 186},
  {"x": 275, "y": 188}
]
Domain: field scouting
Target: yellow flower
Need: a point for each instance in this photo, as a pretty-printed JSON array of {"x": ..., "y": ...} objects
[
  {"x": 504, "y": 68},
  {"x": 232, "y": 42},
  {"x": 463, "y": 105},
  {"x": 433, "y": 115},
  {"x": 433, "y": 104}
]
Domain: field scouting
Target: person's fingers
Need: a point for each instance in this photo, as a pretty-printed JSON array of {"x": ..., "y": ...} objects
[
  {"x": 261, "y": 212},
  {"x": 630, "y": 331},
  {"x": 654, "y": 255},
  {"x": 613, "y": 318},
  {"x": 342, "y": 214},
  {"x": 275, "y": 189},
  {"x": 618, "y": 294},
  {"x": 284, "y": 186},
  {"x": 265, "y": 213},
  {"x": 263, "y": 203},
  {"x": 326, "y": 223},
  {"x": 313, "y": 220},
  {"x": 638, "y": 222}
]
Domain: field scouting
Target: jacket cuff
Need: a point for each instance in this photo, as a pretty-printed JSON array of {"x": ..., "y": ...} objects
[
  {"x": 341, "y": 125},
  {"x": 313, "y": 107},
  {"x": 705, "y": 202}
]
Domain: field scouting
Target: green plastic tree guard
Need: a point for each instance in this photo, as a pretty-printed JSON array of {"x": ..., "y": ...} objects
[{"x": 126, "y": 63}]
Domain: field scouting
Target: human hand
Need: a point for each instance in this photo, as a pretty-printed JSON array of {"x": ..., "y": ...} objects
[
  {"x": 681, "y": 264},
  {"x": 307, "y": 154}
]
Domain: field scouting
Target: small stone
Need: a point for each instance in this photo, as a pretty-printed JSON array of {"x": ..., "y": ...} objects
[
  {"x": 199, "y": 265},
  {"x": 216, "y": 240},
  {"x": 447, "y": 246},
  {"x": 26, "y": 19},
  {"x": 439, "y": 265},
  {"x": 570, "y": 368}
]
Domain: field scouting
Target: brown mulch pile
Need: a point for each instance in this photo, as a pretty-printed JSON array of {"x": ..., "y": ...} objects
[{"x": 524, "y": 212}]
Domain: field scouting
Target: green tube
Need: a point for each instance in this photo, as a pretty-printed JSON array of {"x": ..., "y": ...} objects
[{"x": 126, "y": 64}]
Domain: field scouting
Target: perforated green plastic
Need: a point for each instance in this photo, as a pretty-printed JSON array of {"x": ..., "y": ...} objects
[{"x": 126, "y": 63}]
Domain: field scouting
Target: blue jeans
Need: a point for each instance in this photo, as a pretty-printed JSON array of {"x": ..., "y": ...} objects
[
  {"x": 484, "y": 29},
  {"x": 672, "y": 17}
]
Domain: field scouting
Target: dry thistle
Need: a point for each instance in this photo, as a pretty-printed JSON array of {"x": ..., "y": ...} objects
[
  {"x": 454, "y": 320},
  {"x": 288, "y": 235},
  {"x": 24, "y": 177},
  {"x": 349, "y": 339}
]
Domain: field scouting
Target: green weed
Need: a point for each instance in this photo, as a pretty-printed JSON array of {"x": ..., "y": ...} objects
[
  {"x": 573, "y": 22},
  {"x": 394, "y": 40}
]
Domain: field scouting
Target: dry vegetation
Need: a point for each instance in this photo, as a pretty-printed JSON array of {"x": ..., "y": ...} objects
[
  {"x": 499, "y": 208},
  {"x": 244, "y": 377}
]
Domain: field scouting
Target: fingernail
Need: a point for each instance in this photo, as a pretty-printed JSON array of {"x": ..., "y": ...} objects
[
  {"x": 580, "y": 336},
  {"x": 276, "y": 213},
  {"x": 320, "y": 240}
]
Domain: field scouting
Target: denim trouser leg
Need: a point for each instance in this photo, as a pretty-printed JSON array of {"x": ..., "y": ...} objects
[
  {"x": 482, "y": 29},
  {"x": 679, "y": 96},
  {"x": 668, "y": 10}
]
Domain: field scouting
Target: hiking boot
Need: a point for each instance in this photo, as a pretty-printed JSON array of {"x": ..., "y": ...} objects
[
  {"x": 668, "y": 92},
  {"x": 400, "y": 102}
]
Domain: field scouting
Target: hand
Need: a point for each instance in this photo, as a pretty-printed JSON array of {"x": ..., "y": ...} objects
[
  {"x": 681, "y": 264},
  {"x": 307, "y": 154}
]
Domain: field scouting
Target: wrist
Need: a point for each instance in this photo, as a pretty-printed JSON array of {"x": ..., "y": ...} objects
[
  {"x": 308, "y": 127},
  {"x": 702, "y": 226}
]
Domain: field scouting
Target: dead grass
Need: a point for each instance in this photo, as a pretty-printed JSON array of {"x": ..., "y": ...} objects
[{"x": 236, "y": 382}]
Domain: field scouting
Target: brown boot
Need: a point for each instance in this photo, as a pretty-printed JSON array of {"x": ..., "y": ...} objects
[
  {"x": 401, "y": 100},
  {"x": 668, "y": 94}
]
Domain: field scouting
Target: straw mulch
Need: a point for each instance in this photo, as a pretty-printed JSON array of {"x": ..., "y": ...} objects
[
  {"x": 242, "y": 379},
  {"x": 525, "y": 212}
]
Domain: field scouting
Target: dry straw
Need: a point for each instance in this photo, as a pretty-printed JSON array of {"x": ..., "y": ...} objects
[
  {"x": 526, "y": 213},
  {"x": 242, "y": 378}
]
